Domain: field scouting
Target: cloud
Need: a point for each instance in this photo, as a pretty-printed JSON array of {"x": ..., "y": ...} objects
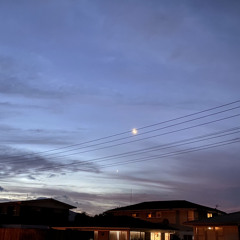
[
  {"x": 20, "y": 78},
  {"x": 186, "y": 181},
  {"x": 2, "y": 189},
  {"x": 31, "y": 177},
  {"x": 37, "y": 136},
  {"x": 16, "y": 163}
]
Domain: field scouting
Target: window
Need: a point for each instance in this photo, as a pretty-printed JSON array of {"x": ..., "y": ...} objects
[
  {"x": 209, "y": 215},
  {"x": 167, "y": 236},
  {"x": 116, "y": 235},
  {"x": 149, "y": 215},
  {"x": 137, "y": 235},
  {"x": 135, "y": 215},
  {"x": 160, "y": 236},
  {"x": 155, "y": 236}
]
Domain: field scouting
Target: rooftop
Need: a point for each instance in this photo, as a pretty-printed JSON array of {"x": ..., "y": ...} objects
[
  {"x": 228, "y": 219},
  {"x": 43, "y": 202},
  {"x": 173, "y": 204},
  {"x": 125, "y": 221}
]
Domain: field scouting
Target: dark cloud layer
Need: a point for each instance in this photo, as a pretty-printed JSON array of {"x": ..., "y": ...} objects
[{"x": 16, "y": 163}]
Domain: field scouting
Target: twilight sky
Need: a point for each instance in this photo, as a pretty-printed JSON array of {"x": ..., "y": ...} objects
[{"x": 77, "y": 75}]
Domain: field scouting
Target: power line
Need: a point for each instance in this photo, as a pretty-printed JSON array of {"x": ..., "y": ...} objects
[
  {"x": 165, "y": 146},
  {"x": 158, "y": 129},
  {"x": 141, "y": 139},
  {"x": 162, "y": 147},
  {"x": 158, "y": 135},
  {"x": 125, "y": 132},
  {"x": 171, "y": 154},
  {"x": 136, "y": 140}
]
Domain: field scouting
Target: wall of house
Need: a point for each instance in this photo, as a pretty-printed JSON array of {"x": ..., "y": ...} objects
[
  {"x": 10, "y": 209},
  {"x": 231, "y": 232},
  {"x": 23, "y": 234},
  {"x": 103, "y": 235},
  {"x": 156, "y": 216},
  {"x": 15, "y": 214},
  {"x": 42, "y": 234},
  {"x": 216, "y": 233},
  {"x": 42, "y": 215}
]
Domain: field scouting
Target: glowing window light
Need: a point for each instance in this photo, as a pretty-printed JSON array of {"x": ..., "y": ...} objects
[{"x": 209, "y": 215}]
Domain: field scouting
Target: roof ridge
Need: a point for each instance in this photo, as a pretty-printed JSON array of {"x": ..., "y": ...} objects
[{"x": 164, "y": 204}]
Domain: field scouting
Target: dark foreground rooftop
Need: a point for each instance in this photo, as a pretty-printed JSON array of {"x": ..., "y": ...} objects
[
  {"x": 130, "y": 222},
  {"x": 42, "y": 202}
]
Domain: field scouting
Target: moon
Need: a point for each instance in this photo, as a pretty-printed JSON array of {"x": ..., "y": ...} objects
[{"x": 134, "y": 131}]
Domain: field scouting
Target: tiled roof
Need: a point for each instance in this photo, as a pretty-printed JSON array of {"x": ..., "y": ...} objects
[
  {"x": 174, "y": 204},
  {"x": 228, "y": 219}
]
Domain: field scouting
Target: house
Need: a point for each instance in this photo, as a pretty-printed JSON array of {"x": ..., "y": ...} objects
[
  {"x": 41, "y": 211},
  {"x": 225, "y": 227},
  {"x": 175, "y": 213},
  {"x": 108, "y": 227},
  {"x": 33, "y": 219},
  {"x": 120, "y": 233}
]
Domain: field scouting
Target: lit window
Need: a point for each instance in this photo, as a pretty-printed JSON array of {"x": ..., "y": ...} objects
[
  {"x": 149, "y": 215},
  {"x": 135, "y": 215},
  {"x": 155, "y": 236},
  {"x": 137, "y": 235},
  {"x": 209, "y": 215},
  {"x": 167, "y": 236}
]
